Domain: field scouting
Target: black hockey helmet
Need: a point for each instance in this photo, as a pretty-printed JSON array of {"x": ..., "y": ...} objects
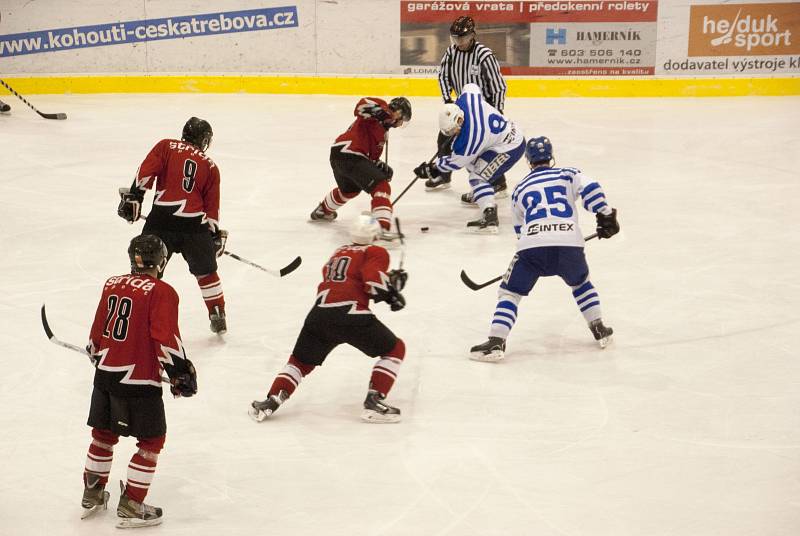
[
  {"x": 147, "y": 252},
  {"x": 197, "y": 132},
  {"x": 402, "y": 105},
  {"x": 462, "y": 26}
]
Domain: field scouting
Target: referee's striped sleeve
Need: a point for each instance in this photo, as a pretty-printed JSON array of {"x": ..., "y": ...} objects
[
  {"x": 445, "y": 84},
  {"x": 495, "y": 85}
]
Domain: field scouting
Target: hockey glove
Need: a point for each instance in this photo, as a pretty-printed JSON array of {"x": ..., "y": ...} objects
[
  {"x": 130, "y": 204},
  {"x": 607, "y": 225},
  {"x": 220, "y": 239},
  {"x": 385, "y": 168},
  {"x": 185, "y": 384},
  {"x": 93, "y": 357},
  {"x": 398, "y": 279},
  {"x": 396, "y": 301},
  {"x": 426, "y": 170},
  {"x": 373, "y": 110}
]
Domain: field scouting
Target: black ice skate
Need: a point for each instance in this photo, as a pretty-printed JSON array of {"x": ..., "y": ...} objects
[
  {"x": 4, "y": 107},
  {"x": 491, "y": 351},
  {"x": 261, "y": 410},
  {"x": 442, "y": 182},
  {"x": 378, "y": 411},
  {"x": 487, "y": 224},
  {"x": 602, "y": 334},
  {"x": 132, "y": 514},
  {"x": 319, "y": 214},
  {"x": 500, "y": 191},
  {"x": 218, "y": 323},
  {"x": 95, "y": 497}
]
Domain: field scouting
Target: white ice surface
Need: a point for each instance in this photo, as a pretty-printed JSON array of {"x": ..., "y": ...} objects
[{"x": 688, "y": 424}]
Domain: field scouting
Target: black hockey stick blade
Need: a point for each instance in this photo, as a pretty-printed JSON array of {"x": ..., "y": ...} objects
[
  {"x": 291, "y": 267},
  {"x": 60, "y": 115},
  {"x": 46, "y": 326},
  {"x": 54, "y": 339},
  {"x": 477, "y": 286},
  {"x": 31, "y": 106}
]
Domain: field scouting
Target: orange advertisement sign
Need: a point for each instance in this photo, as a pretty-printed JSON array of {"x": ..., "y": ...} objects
[{"x": 744, "y": 29}]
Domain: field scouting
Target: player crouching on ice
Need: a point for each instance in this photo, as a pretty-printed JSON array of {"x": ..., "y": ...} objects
[
  {"x": 356, "y": 160},
  {"x": 485, "y": 143},
  {"x": 354, "y": 274},
  {"x": 549, "y": 243}
]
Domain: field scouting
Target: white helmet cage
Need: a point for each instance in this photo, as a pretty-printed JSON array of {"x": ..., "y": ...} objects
[{"x": 451, "y": 118}]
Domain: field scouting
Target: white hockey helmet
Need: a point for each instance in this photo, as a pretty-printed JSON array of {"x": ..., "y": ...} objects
[
  {"x": 364, "y": 229},
  {"x": 450, "y": 119}
]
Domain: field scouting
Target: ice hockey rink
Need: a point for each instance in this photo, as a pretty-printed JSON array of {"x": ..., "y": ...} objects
[{"x": 687, "y": 425}]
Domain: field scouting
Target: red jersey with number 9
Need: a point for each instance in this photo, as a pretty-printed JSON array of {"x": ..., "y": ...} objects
[
  {"x": 350, "y": 275},
  {"x": 186, "y": 183},
  {"x": 135, "y": 333}
]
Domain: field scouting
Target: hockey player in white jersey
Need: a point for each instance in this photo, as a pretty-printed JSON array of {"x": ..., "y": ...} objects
[
  {"x": 485, "y": 143},
  {"x": 549, "y": 243}
]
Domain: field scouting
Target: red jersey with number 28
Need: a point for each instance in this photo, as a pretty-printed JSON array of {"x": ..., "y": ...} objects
[
  {"x": 350, "y": 276},
  {"x": 186, "y": 181},
  {"x": 134, "y": 334}
]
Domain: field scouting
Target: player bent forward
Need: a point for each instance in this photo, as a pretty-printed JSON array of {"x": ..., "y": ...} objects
[
  {"x": 354, "y": 274},
  {"x": 134, "y": 335},
  {"x": 549, "y": 243}
]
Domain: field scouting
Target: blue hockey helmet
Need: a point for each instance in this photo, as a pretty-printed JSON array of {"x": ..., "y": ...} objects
[{"x": 539, "y": 150}]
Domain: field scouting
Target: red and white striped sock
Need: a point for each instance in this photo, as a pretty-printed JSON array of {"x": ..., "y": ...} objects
[
  {"x": 290, "y": 377},
  {"x": 385, "y": 371},
  {"x": 382, "y": 204},
  {"x": 100, "y": 455},
  {"x": 211, "y": 288},
  {"x": 336, "y": 199},
  {"x": 142, "y": 468}
]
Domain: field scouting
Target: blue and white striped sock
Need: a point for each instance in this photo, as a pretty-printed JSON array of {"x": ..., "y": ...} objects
[
  {"x": 588, "y": 301},
  {"x": 505, "y": 314}
]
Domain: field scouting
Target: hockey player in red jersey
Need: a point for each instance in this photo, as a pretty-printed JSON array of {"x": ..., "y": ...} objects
[
  {"x": 354, "y": 274},
  {"x": 185, "y": 213},
  {"x": 134, "y": 336},
  {"x": 355, "y": 159}
]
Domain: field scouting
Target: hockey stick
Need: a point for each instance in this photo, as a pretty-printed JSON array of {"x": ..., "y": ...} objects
[
  {"x": 477, "y": 286},
  {"x": 289, "y": 268},
  {"x": 410, "y": 184},
  {"x": 402, "y": 242},
  {"x": 46, "y": 116},
  {"x": 73, "y": 347}
]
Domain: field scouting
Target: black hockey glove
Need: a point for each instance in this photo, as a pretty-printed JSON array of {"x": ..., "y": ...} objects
[
  {"x": 185, "y": 384},
  {"x": 383, "y": 166},
  {"x": 93, "y": 357},
  {"x": 373, "y": 110},
  {"x": 607, "y": 226},
  {"x": 396, "y": 301},
  {"x": 130, "y": 204},
  {"x": 426, "y": 170},
  {"x": 220, "y": 239},
  {"x": 398, "y": 279}
]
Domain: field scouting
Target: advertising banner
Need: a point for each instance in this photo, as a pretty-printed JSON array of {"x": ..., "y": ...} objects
[
  {"x": 752, "y": 38},
  {"x": 561, "y": 38}
]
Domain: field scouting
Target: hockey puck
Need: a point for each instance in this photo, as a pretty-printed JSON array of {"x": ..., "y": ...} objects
[{"x": 424, "y": 229}]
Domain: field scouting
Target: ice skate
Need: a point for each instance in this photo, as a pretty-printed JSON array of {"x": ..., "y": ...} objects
[
  {"x": 134, "y": 514},
  {"x": 5, "y": 108},
  {"x": 95, "y": 497},
  {"x": 319, "y": 214},
  {"x": 491, "y": 351},
  {"x": 602, "y": 334},
  {"x": 261, "y": 410},
  {"x": 500, "y": 191},
  {"x": 218, "y": 323},
  {"x": 442, "y": 182},
  {"x": 488, "y": 224},
  {"x": 378, "y": 411}
]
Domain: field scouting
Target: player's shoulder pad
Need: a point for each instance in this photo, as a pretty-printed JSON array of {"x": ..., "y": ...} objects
[{"x": 471, "y": 88}]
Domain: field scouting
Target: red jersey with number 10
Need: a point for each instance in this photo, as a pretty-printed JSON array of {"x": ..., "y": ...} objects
[
  {"x": 350, "y": 276},
  {"x": 134, "y": 334},
  {"x": 186, "y": 183}
]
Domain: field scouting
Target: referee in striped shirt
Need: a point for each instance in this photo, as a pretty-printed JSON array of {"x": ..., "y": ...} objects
[{"x": 467, "y": 61}]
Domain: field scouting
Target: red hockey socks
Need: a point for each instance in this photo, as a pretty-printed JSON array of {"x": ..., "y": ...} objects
[
  {"x": 100, "y": 455},
  {"x": 211, "y": 288},
  {"x": 335, "y": 200},
  {"x": 384, "y": 372},
  {"x": 142, "y": 467},
  {"x": 290, "y": 377},
  {"x": 382, "y": 204}
]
